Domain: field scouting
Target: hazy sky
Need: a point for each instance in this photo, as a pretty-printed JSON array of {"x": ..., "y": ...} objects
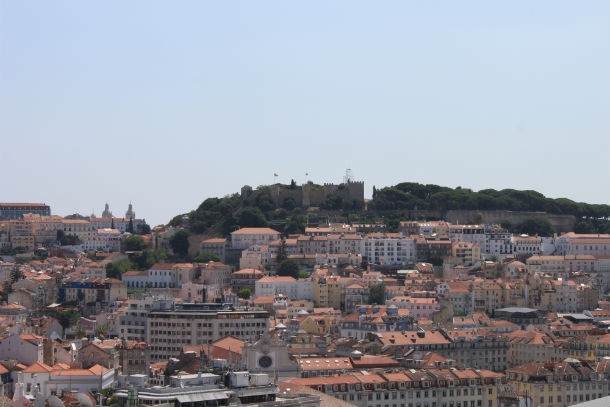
[{"x": 167, "y": 103}]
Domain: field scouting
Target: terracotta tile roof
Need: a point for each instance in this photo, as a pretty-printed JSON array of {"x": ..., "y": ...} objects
[
  {"x": 163, "y": 266},
  {"x": 61, "y": 366},
  {"x": 231, "y": 343},
  {"x": 255, "y": 231},
  {"x": 37, "y": 367},
  {"x": 135, "y": 273},
  {"x": 214, "y": 240},
  {"x": 276, "y": 279},
  {"x": 371, "y": 361},
  {"x": 368, "y": 377},
  {"x": 12, "y": 306},
  {"x": 338, "y": 363},
  {"x": 98, "y": 369},
  {"x": 412, "y": 338},
  {"x": 325, "y": 399},
  {"x": 264, "y": 299},
  {"x": 248, "y": 271}
]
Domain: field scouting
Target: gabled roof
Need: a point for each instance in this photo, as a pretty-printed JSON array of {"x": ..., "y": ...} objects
[
  {"x": 230, "y": 343},
  {"x": 37, "y": 367}
]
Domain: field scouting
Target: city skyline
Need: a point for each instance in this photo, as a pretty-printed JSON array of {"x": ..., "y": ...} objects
[{"x": 167, "y": 106}]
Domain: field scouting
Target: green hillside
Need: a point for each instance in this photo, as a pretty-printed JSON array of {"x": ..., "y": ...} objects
[{"x": 389, "y": 205}]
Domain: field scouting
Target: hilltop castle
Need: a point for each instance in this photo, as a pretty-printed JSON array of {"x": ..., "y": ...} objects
[{"x": 309, "y": 194}]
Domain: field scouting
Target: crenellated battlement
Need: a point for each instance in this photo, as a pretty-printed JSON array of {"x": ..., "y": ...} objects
[{"x": 309, "y": 194}]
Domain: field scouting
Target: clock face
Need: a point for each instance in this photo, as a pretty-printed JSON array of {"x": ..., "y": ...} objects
[{"x": 265, "y": 361}]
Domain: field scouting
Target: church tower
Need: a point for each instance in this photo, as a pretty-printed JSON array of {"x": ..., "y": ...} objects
[
  {"x": 106, "y": 214},
  {"x": 130, "y": 214}
]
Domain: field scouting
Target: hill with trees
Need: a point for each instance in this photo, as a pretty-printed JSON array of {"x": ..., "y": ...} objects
[{"x": 221, "y": 216}]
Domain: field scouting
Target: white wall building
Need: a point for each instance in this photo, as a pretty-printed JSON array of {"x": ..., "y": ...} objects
[
  {"x": 301, "y": 289},
  {"x": 107, "y": 240},
  {"x": 246, "y": 237},
  {"x": 388, "y": 248},
  {"x": 40, "y": 378},
  {"x": 527, "y": 245},
  {"x": 25, "y": 348},
  {"x": 574, "y": 243}
]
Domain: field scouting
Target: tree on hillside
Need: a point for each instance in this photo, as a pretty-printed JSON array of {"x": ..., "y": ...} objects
[
  {"x": 117, "y": 268},
  {"x": 245, "y": 293},
  {"x": 281, "y": 252},
  {"x": 288, "y": 268},
  {"x": 295, "y": 225},
  {"x": 133, "y": 243},
  {"x": 206, "y": 258},
  {"x": 251, "y": 217},
  {"x": 67, "y": 318},
  {"x": 506, "y": 225},
  {"x": 289, "y": 203},
  {"x": 535, "y": 225},
  {"x": 332, "y": 202},
  {"x": 264, "y": 202},
  {"x": 180, "y": 243},
  {"x": 147, "y": 258},
  {"x": 130, "y": 228},
  {"x": 143, "y": 229},
  {"x": 67, "y": 239},
  {"x": 377, "y": 294}
]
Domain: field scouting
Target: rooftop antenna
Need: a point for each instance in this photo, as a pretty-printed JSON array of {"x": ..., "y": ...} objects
[{"x": 348, "y": 177}]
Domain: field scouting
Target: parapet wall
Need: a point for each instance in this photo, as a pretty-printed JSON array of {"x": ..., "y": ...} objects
[
  {"x": 309, "y": 195},
  {"x": 561, "y": 223}
]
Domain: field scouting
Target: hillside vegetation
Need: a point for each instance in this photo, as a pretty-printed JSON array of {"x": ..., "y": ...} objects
[{"x": 389, "y": 205}]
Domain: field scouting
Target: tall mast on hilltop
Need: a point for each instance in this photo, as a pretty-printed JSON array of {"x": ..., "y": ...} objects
[{"x": 348, "y": 177}]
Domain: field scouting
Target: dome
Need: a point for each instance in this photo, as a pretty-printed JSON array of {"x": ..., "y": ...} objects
[
  {"x": 302, "y": 313},
  {"x": 84, "y": 400},
  {"x": 55, "y": 401}
]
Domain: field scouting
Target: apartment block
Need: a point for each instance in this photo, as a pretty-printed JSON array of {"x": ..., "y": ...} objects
[{"x": 171, "y": 326}]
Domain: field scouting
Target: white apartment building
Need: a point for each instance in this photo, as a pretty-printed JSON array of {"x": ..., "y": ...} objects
[
  {"x": 388, "y": 248},
  {"x": 552, "y": 265},
  {"x": 344, "y": 243},
  {"x": 301, "y": 289},
  {"x": 526, "y": 245},
  {"x": 424, "y": 307},
  {"x": 246, "y": 237},
  {"x": 255, "y": 257},
  {"x": 132, "y": 321},
  {"x": 498, "y": 243},
  {"x": 573, "y": 297},
  {"x": 107, "y": 240},
  {"x": 468, "y": 233},
  {"x": 25, "y": 348},
  {"x": 48, "y": 380},
  {"x": 79, "y": 227},
  {"x": 574, "y": 243},
  {"x": 160, "y": 275}
]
